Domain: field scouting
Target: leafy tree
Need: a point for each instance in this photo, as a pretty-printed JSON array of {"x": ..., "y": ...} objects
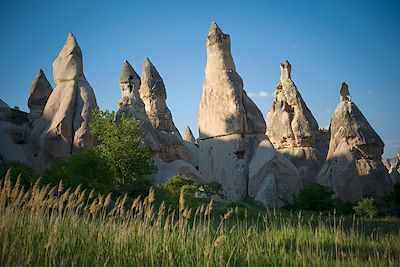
[
  {"x": 122, "y": 145},
  {"x": 366, "y": 208}
]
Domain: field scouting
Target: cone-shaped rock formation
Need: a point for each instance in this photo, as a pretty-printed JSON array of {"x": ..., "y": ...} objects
[
  {"x": 231, "y": 128},
  {"x": 292, "y": 128},
  {"x": 353, "y": 167},
  {"x": 38, "y": 95},
  {"x": 131, "y": 103},
  {"x": 189, "y": 136},
  {"x": 169, "y": 151},
  {"x": 64, "y": 127},
  {"x": 154, "y": 96}
]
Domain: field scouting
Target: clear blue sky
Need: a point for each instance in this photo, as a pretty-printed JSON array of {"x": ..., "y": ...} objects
[{"x": 326, "y": 42}]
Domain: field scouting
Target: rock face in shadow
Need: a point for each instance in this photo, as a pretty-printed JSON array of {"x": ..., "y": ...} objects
[
  {"x": 154, "y": 95},
  {"x": 292, "y": 128},
  {"x": 231, "y": 127},
  {"x": 353, "y": 167},
  {"x": 170, "y": 153},
  {"x": 64, "y": 127},
  {"x": 13, "y": 127},
  {"x": 38, "y": 96}
]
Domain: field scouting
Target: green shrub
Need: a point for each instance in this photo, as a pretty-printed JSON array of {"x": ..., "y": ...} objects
[
  {"x": 87, "y": 168},
  {"x": 366, "y": 208},
  {"x": 342, "y": 207},
  {"x": 122, "y": 145},
  {"x": 211, "y": 188},
  {"x": 314, "y": 198},
  {"x": 171, "y": 190},
  {"x": 28, "y": 176}
]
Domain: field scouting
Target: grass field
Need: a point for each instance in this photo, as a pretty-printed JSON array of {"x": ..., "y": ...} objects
[{"x": 47, "y": 226}]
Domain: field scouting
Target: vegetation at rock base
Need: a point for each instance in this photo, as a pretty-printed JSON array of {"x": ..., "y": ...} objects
[
  {"x": 366, "y": 208},
  {"x": 120, "y": 163},
  {"x": 54, "y": 226},
  {"x": 122, "y": 145}
]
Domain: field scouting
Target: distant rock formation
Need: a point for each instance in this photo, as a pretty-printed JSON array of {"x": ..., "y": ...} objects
[
  {"x": 4, "y": 110},
  {"x": 292, "y": 128},
  {"x": 393, "y": 167},
  {"x": 13, "y": 125},
  {"x": 232, "y": 128},
  {"x": 191, "y": 145},
  {"x": 64, "y": 127},
  {"x": 170, "y": 153},
  {"x": 154, "y": 95},
  {"x": 189, "y": 136},
  {"x": 38, "y": 96},
  {"x": 353, "y": 167}
]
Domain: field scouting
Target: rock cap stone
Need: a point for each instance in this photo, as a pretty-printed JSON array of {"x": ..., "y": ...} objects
[{"x": 344, "y": 92}]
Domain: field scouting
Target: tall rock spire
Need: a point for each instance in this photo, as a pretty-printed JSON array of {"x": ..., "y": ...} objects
[
  {"x": 232, "y": 128},
  {"x": 131, "y": 103},
  {"x": 189, "y": 136},
  {"x": 64, "y": 127},
  {"x": 353, "y": 167},
  {"x": 154, "y": 96},
  {"x": 292, "y": 128},
  {"x": 38, "y": 95}
]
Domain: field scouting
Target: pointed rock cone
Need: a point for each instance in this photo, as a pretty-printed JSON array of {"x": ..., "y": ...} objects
[
  {"x": 68, "y": 64},
  {"x": 232, "y": 131},
  {"x": 64, "y": 127},
  {"x": 38, "y": 95},
  {"x": 131, "y": 104},
  {"x": 353, "y": 167},
  {"x": 166, "y": 146},
  {"x": 154, "y": 95},
  {"x": 292, "y": 128},
  {"x": 344, "y": 93},
  {"x": 189, "y": 136},
  {"x": 129, "y": 75}
]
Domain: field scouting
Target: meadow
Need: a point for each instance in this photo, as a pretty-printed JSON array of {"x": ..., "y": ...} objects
[{"x": 53, "y": 226}]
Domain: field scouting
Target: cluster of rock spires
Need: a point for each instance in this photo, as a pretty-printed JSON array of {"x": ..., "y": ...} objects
[{"x": 268, "y": 160}]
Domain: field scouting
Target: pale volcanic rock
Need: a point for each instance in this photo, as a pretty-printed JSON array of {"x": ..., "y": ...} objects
[
  {"x": 38, "y": 95},
  {"x": 189, "y": 136},
  {"x": 64, "y": 127},
  {"x": 292, "y": 128},
  {"x": 353, "y": 167},
  {"x": 165, "y": 145},
  {"x": 166, "y": 170},
  {"x": 131, "y": 104},
  {"x": 231, "y": 127},
  {"x": 225, "y": 108},
  {"x": 393, "y": 167},
  {"x": 154, "y": 95}
]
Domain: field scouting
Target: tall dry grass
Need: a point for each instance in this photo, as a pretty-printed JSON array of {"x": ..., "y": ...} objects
[{"x": 50, "y": 226}]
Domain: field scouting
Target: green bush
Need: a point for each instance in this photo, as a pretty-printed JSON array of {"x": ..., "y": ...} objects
[
  {"x": 28, "y": 176},
  {"x": 211, "y": 188},
  {"x": 314, "y": 198},
  {"x": 87, "y": 168},
  {"x": 122, "y": 145},
  {"x": 366, "y": 208},
  {"x": 171, "y": 190}
]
